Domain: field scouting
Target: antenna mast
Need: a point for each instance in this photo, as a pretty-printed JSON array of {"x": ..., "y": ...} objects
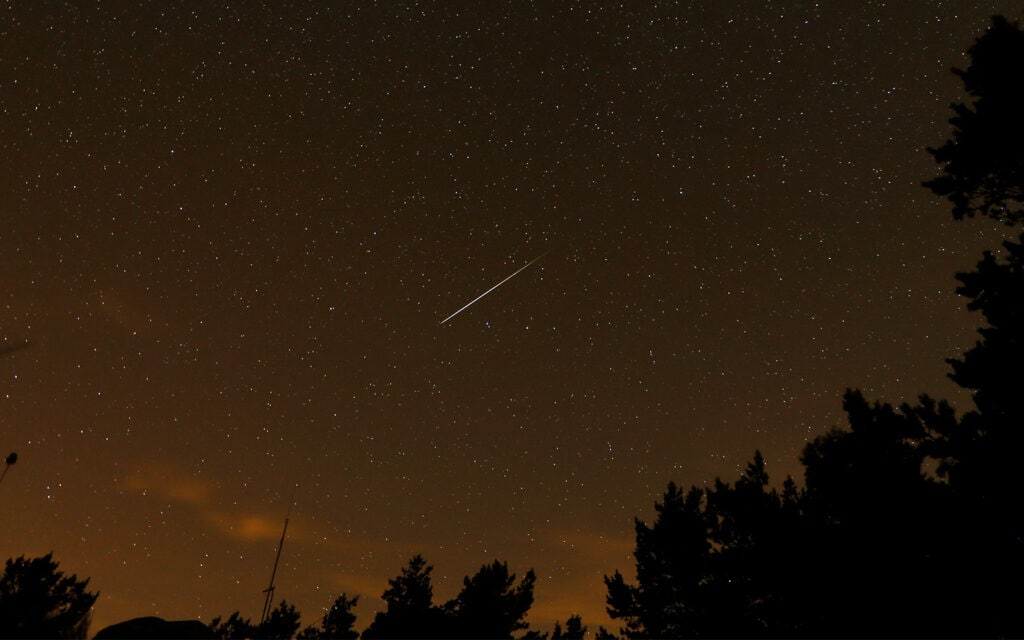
[{"x": 270, "y": 590}]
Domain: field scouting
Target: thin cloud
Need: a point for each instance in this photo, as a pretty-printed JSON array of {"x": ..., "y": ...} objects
[{"x": 200, "y": 494}]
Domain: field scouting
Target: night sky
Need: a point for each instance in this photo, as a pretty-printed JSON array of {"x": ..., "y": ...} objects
[{"x": 229, "y": 235}]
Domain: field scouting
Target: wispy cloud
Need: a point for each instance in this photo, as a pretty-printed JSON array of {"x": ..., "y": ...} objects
[
  {"x": 250, "y": 525},
  {"x": 247, "y": 527},
  {"x": 162, "y": 481}
]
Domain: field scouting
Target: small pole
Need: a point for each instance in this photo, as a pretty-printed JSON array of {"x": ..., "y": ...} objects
[{"x": 268, "y": 604}]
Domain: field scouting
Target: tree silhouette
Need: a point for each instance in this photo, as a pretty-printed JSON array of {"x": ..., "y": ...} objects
[
  {"x": 721, "y": 561},
  {"x": 975, "y": 448},
  {"x": 490, "y": 604},
  {"x": 410, "y": 611},
  {"x": 338, "y": 622},
  {"x": 758, "y": 538},
  {"x": 978, "y": 454},
  {"x": 849, "y": 471},
  {"x": 983, "y": 163},
  {"x": 234, "y": 628},
  {"x": 574, "y": 629},
  {"x": 604, "y": 634},
  {"x": 672, "y": 563},
  {"x": 281, "y": 624},
  {"x": 38, "y": 601},
  {"x": 876, "y": 519},
  {"x": 994, "y": 368},
  {"x": 870, "y": 546}
]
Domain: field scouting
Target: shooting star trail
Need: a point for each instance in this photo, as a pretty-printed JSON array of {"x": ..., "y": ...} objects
[{"x": 474, "y": 300}]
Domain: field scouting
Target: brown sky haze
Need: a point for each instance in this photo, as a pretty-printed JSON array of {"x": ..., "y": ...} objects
[{"x": 230, "y": 234}]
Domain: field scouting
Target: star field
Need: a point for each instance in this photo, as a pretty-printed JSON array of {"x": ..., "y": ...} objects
[{"x": 230, "y": 233}]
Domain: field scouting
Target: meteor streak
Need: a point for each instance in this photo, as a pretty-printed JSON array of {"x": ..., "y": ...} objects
[{"x": 517, "y": 272}]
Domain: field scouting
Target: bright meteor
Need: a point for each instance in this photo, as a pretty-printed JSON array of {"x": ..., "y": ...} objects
[{"x": 517, "y": 272}]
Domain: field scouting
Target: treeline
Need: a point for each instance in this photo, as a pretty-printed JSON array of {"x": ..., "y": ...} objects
[
  {"x": 38, "y": 601},
  {"x": 908, "y": 522},
  {"x": 491, "y": 604}
]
